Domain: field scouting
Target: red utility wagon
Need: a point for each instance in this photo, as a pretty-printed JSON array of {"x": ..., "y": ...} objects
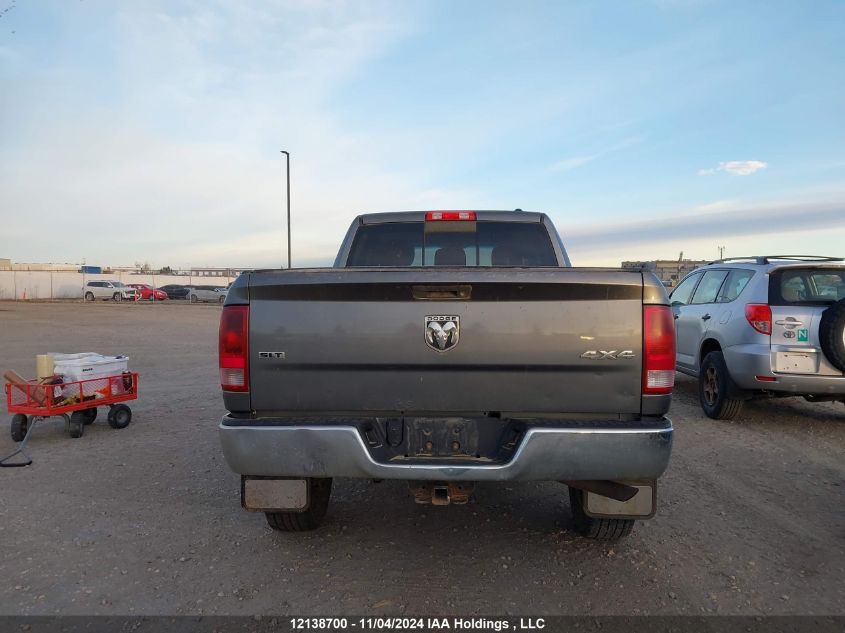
[{"x": 75, "y": 401}]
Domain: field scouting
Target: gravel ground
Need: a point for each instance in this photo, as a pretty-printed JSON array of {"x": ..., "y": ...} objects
[{"x": 147, "y": 520}]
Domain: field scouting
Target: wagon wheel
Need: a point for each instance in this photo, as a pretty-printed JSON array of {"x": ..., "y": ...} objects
[
  {"x": 20, "y": 424},
  {"x": 120, "y": 416},
  {"x": 76, "y": 424},
  {"x": 90, "y": 415}
]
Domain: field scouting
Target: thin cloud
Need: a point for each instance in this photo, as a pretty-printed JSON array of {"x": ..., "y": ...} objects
[
  {"x": 577, "y": 161},
  {"x": 572, "y": 163},
  {"x": 750, "y": 220},
  {"x": 736, "y": 167}
]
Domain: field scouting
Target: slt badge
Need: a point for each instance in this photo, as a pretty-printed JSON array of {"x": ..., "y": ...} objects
[{"x": 442, "y": 332}]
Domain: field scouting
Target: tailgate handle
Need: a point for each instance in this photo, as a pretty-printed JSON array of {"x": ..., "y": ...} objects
[{"x": 442, "y": 293}]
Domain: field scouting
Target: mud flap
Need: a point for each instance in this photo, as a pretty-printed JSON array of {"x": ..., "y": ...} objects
[
  {"x": 273, "y": 494},
  {"x": 642, "y": 505}
]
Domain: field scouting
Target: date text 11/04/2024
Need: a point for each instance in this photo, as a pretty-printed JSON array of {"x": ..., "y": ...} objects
[{"x": 418, "y": 624}]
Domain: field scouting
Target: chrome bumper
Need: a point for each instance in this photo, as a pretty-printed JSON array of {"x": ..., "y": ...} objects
[{"x": 547, "y": 454}]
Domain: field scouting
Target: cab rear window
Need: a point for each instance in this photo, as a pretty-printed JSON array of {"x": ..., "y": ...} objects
[
  {"x": 411, "y": 244},
  {"x": 806, "y": 286}
]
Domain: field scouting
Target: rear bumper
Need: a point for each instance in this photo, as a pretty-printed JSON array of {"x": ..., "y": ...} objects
[
  {"x": 746, "y": 362},
  {"x": 547, "y": 454}
]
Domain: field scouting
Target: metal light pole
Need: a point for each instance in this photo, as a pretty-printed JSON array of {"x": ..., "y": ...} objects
[{"x": 287, "y": 157}]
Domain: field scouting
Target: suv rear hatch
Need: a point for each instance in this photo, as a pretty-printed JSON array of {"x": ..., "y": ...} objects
[{"x": 798, "y": 297}]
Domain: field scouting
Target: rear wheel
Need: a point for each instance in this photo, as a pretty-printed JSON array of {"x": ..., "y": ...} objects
[
  {"x": 222, "y": 299},
  {"x": 193, "y": 299},
  {"x": 89, "y": 296},
  {"x": 90, "y": 415},
  {"x": 594, "y": 528},
  {"x": 76, "y": 425},
  {"x": 120, "y": 416},
  {"x": 714, "y": 389},
  {"x": 320, "y": 492},
  {"x": 116, "y": 296},
  {"x": 20, "y": 425}
]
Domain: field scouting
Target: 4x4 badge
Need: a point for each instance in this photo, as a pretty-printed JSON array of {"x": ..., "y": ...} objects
[
  {"x": 603, "y": 355},
  {"x": 442, "y": 332}
]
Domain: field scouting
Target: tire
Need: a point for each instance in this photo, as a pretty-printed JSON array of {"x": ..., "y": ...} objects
[
  {"x": 76, "y": 426},
  {"x": 90, "y": 415},
  {"x": 714, "y": 388},
  {"x": 594, "y": 528},
  {"x": 116, "y": 297},
  {"x": 192, "y": 299},
  {"x": 832, "y": 334},
  {"x": 89, "y": 296},
  {"x": 20, "y": 425},
  {"x": 222, "y": 299},
  {"x": 120, "y": 416},
  {"x": 312, "y": 518}
]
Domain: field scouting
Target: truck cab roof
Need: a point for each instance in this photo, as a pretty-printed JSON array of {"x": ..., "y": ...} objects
[{"x": 517, "y": 215}]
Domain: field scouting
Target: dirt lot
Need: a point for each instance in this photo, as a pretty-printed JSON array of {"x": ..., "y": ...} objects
[{"x": 147, "y": 520}]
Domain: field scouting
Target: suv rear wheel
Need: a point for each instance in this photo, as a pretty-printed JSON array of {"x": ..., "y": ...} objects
[
  {"x": 320, "y": 491},
  {"x": 714, "y": 388}
]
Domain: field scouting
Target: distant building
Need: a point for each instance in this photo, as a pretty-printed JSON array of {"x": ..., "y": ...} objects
[
  {"x": 66, "y": 268},
  {"x": 669, "y": 271},
  {"x": 218, "y": 272}
]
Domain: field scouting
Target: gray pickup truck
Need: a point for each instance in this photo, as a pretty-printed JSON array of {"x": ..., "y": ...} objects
[{"x": 446, "y": 348}]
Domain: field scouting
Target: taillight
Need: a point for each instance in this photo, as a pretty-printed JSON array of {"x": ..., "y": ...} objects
[
  {"x": 759, "y": 315},
  {"x": 437, "y": 216},
  {"x": 234, "y": 348},
  {"x": 658, "y": 350}
]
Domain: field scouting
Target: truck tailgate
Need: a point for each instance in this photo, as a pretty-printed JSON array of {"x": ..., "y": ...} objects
[{"x": 530, "y": 340}]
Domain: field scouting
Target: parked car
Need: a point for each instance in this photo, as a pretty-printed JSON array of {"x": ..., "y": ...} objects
[
  {"x": 760, "y": 327},
  {"x": 213, "y": 294},
  {"x": 446, "y": 348},
  {"x": 114, "y": 290},
  {"x": 175, "y": 291},
  {"x": 148, "y": 293}
]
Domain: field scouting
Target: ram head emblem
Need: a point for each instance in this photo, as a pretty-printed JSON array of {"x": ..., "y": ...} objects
[{"x": 442, "y": 332}]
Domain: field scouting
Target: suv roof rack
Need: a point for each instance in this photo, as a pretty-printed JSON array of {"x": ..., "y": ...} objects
[{"x": 767, "y": 259}]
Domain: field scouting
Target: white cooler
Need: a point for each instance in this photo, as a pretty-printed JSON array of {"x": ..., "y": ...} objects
[{"x": 89, "y": 366}]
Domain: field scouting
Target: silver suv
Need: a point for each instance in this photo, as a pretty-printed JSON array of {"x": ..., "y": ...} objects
[
  {"x": 114, "y": 290},
  {"x": 762, "y": 326}
]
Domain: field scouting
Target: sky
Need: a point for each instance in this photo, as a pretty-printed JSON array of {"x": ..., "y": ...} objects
[{"x": 150, "y": 130}]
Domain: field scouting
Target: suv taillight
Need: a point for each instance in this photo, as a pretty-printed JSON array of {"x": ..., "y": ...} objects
[
  {"x": 234, "y": 348},
  {"x": 658, "y": 350},
  {"x": 759, "y": 315}
]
